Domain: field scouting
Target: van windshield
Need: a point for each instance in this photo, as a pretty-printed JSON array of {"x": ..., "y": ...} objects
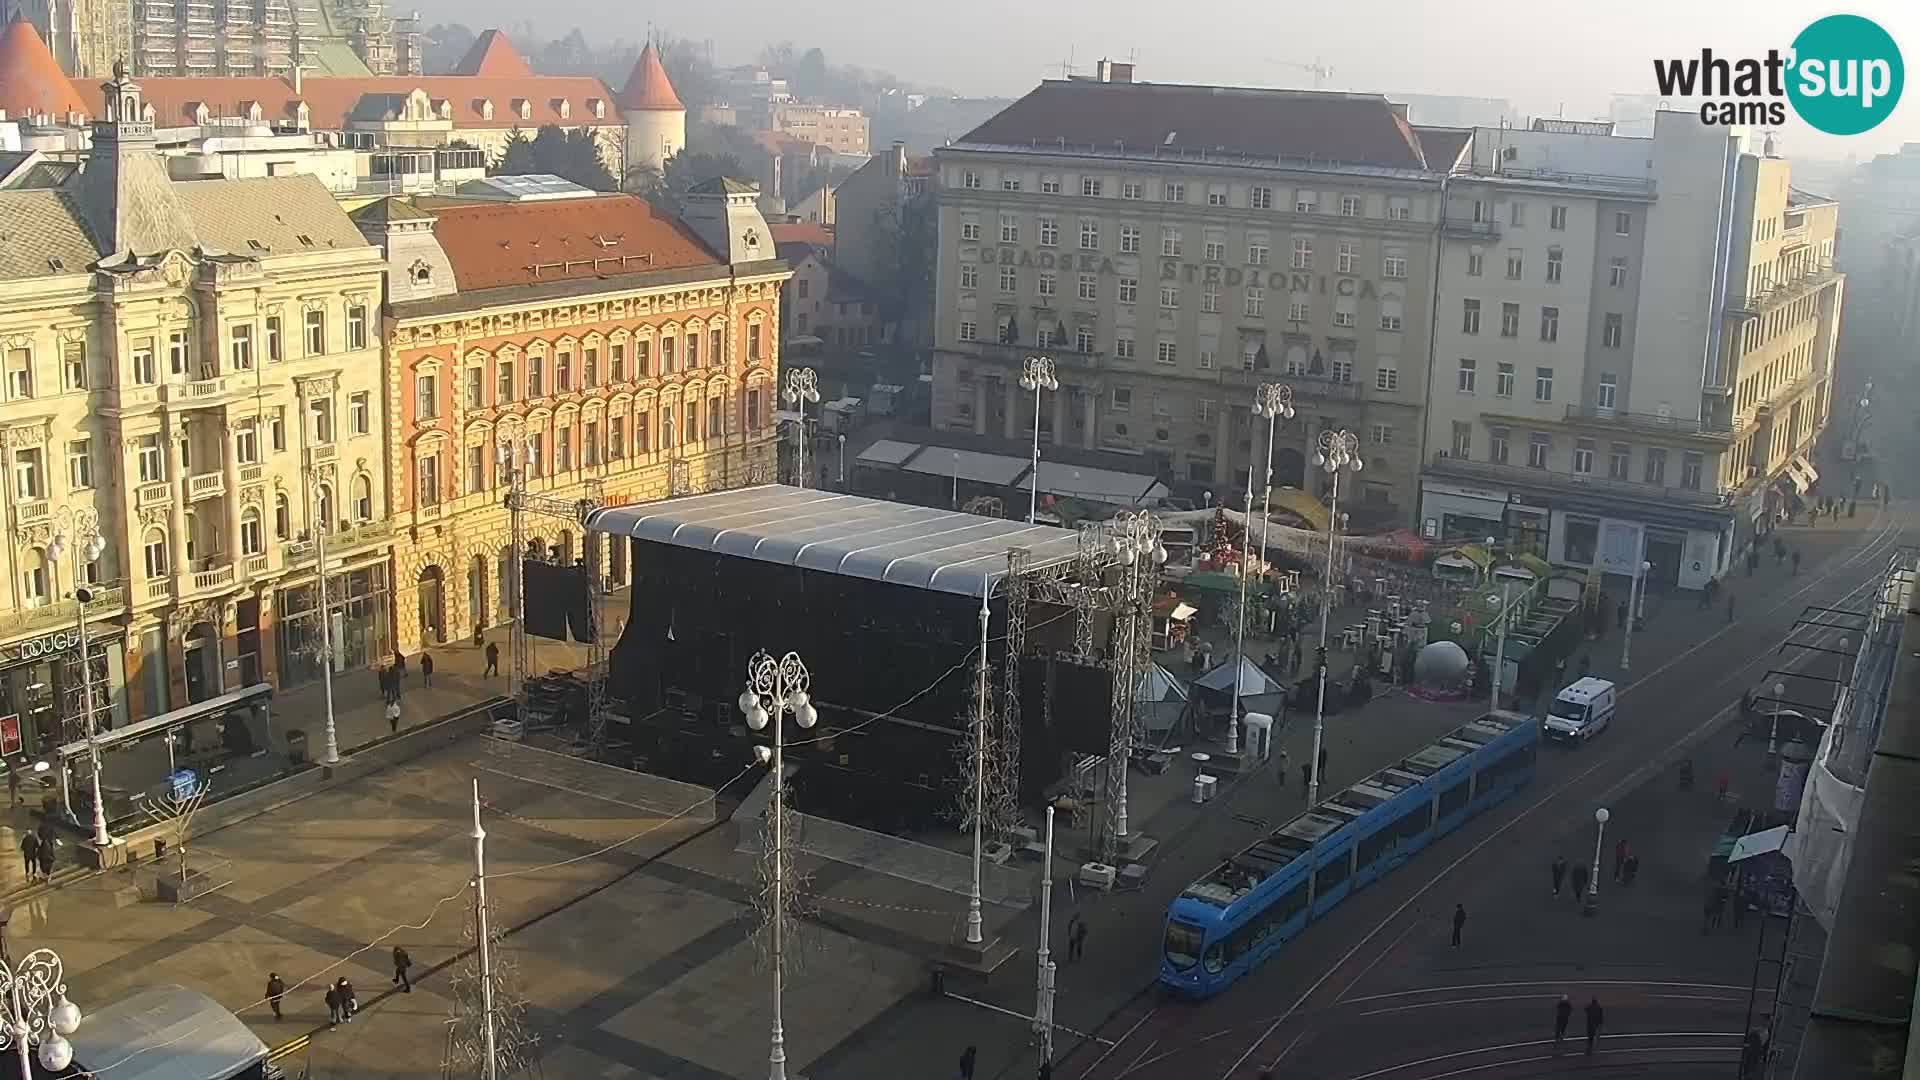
[
  {"x": 1183, "y": 944},
  {"x": 1568, "y": 710}
]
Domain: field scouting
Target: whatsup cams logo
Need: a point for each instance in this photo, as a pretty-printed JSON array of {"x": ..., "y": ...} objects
[{"x": 1843, "y": 75}]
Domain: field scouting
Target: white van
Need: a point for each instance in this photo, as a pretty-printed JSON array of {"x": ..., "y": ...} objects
[{"x": 1581, "y": 711}]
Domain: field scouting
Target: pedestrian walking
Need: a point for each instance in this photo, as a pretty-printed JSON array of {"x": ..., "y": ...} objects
[
  {"x": 479, "y": 634},
  {"x": 1281, "y": 772},
  {"x": 401, "y": 962},
  {"x": 13, "y": 781},
  {"x": 1559, "y": 871},
  {"x": 1796, "y": 562},
  {"x": 1459, "y": 922},
  {"x": 426, "y": 669},
  {"x": 1077, "y": 941},
  {"x": 49, "y": 847},
  {"x": 1632, "y": 868},
  {"x": 493, "y": 660},
  {"x": 967, "y": 1059},
  {"x": 1579, "y": 882},
  {"x": 333, "y": 1006},
  {"x": 1595, "y": 1014},
  {"x": 1620, "y": 616},
  {"x": 1562, "y": 1016},
  {"x": 1619, "y": 860},
  {"x": 393, "y": 716},
  {"x": 1306, "y": 777},
  {"x": 400, "y": 665},
  {"x": 276, "y": 989},
  {"x": 349, "y": 1001},
  {"x": 30, "y": 853}
]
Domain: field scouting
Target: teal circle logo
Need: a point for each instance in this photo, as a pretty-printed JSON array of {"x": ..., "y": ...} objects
[{"x": 1846, "y": 75}]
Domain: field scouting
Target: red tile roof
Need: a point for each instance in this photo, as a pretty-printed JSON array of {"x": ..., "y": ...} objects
[
  {"x": 811, "y": 233},
  {"x": 492, "y": 55},
  {"x": 330, "y": 100},
  {"x": 31, "y": 82},
  {"x": 505, "y": 244},
  {"x": 1359, "y": 129},
  {"x": 648, "y": 86}
]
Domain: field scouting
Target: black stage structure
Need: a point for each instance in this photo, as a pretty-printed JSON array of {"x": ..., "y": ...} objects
[{"x": 888, "y": 604}]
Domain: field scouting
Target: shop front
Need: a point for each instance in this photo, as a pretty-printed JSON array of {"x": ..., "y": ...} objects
[
  {"x": 1684, "y": 553},
  {"x": 43, "y": 700},
  {"x": 1454, "y": 512},
  {"x": 360, "y": 621}
]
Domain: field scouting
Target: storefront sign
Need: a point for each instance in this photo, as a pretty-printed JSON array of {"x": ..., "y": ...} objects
[
  {"x": 1466, "y": 492},
  {"x": 1086, "y": 262},
  {"x": 35, "y": 648},
  {"x": 10, "y": 734}
]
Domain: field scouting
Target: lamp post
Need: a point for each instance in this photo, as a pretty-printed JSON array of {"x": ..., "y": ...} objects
[
  {"x": 1636, "y": 597},
  {"x": 774, "y": 689},
  {"x": 803, "y": 385},
  {"x": 1274, "y": 402},
  {"x": 322, "y": 522},
  {"x": 34, "y": 1010},
  {"x": 1500, "y": 640},
  {"x": 1036, "y": 375},
  {"x": 843, "y": 462},
  {"x": 1043, "y": 1001},
  {"x": 1773, "y": 722},
  {"x": 85, "y": 526},
  {"x": 956, "y": 480},
  {"x": 1339, "y": 451},
  {"x": 1591, "y": 905},
  {"x": 975, "y": 928}
]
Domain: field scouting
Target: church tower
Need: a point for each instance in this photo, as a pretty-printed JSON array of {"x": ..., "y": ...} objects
[{"x": 656, "y": 120}]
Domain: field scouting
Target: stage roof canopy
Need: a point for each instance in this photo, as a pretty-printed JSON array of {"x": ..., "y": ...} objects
[{"x": 923, "y": 547}]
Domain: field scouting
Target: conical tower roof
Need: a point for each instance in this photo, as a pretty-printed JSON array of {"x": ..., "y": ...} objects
[
  {"x": 648, "y": 87},
  {"x": 494, "y": 57},
  {"x": 31, "y": 82}
]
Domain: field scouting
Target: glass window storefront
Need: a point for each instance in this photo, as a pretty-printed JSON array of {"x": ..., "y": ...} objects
[
  {"x": 228, "y": 747},
  {"x": 42, "y": 698},
  {"x": 357, "y": 601}
]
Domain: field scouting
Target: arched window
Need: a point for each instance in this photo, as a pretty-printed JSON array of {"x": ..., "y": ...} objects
[
  {"x": 282, "y": 517},
  {"x": 253, "y": 539},
  {"x": 33, "y": 577},
  {"x": 323, "y": 506},
  {"x": 363, "y": 498},
  {"x": 156, "y": 551}
]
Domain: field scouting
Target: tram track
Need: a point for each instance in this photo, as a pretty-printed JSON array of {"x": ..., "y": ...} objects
[{"x": 1149, "y": 1029}]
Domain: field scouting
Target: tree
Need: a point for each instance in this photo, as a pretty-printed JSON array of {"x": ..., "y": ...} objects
[
  {"x": 570, "y": 155},
  {"x": 810, "y": 73},
  {"x": 668, "y": 189},
  {"x": 516, "y": 159},
  {"x": 581, "y": 163},
  {"x": 909, "y": 249},
  {"x": 686, "y": 63}
]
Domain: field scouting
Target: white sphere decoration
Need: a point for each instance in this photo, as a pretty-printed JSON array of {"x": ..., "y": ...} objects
[
  {"x": 56, "y": 1054},
  {"x": 65, "y": 1015},
  {"x": 757, "y": 716}
]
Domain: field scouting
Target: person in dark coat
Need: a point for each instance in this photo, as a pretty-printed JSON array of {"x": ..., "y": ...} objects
[
  {"x": 493, "y": 660},
  {"x": 1579, "y": 882},
  {"x": 349, "y": 1001},
  {"x": 333, "y": 1005},
  {"x": 967, "y": 1059},
  {"x": 276, "y": 989},
  {"x": 1595, "y": 1014},
  {"x": 401, "y": 962},
  {"x": 1559, "y": 871},
  {"x": 426, "y": 669},
  {"x": 1562, "y": 1015},
  {"x": 1077, "y": 944},
  {"x": 1459, "y": 922},
  {"x": 400, "y": 665},
  {"x": 30, "y": 853},
  {"x": 49, "y": 848}
]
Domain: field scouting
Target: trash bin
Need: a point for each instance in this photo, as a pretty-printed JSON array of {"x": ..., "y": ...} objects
[{"x": 296, "y": 746}]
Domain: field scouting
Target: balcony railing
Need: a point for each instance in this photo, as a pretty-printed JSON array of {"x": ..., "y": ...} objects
[
  {"x": 1639, "y": 421},
  {"x": 205, "y": 486},
  {"x": 158, "y": 493},
  {"x": 199, "y": 391},
  {"x": 1319, "y": 387},
  {"x": 340, "y": 541},
  {"x": 1470, "y": 230},
  {"x": 29, "y": 512},
  {"x": 250, "y": 474},
  {"x": 1445, "y": 464},
  {"x": 321, "y": 454},
  {"x": 106, "y": 601},
  {"x": 1760, "y": 303},
  {"x": 220, "y": 577},
  {"x": 257, "y": 564},
  {"x": 1015, "y": 355},
  {"x": 160, "y": 589}
]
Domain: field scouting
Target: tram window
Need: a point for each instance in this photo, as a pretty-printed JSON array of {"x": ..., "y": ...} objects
[
  {"x": 1516, "y": 761},
  {"x": 1241, "y": 941},
  {"x": 1213, "y": 960},
  {"x": 1330, "y": 876},
  {"x": 1289, "y": 903},
  {"x": 1454, "y": 798}
]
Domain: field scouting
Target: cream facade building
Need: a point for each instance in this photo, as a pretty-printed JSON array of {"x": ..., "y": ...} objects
[
  {"x": 1173, "y": 247},
  {"x": 1635, "y": 346},
  {"x": 192, "y": 376}
]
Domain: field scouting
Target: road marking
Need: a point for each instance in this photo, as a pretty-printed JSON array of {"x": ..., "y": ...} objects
[
  {"x": 1542, "y": 982},
  {"x": 1549, "y": 1042},
  {"x": 1527, "y": 812},
  {"x": 289, "y": 1048},
  {"x": 1601, "y": 1053},
  {"x": 1128, "y": 1034}
]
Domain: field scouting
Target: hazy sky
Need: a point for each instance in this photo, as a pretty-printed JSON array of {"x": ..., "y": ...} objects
[{"x": 1536, "y": 53}]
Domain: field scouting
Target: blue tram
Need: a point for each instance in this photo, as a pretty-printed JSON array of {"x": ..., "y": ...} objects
[{"x": 1240, "y": 914}]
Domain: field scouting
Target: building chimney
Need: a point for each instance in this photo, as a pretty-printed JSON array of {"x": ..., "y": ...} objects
[
  {"x": 1120, "y": 72},
  {"x": 297, "y": 69},
  {"x": 1399, "y": 109},
  {"x": 899, "y": 157},
  {"x": 1103, "y": 70}
]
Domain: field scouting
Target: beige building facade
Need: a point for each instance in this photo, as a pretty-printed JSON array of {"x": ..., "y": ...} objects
[
  {"x": 1169, "y": 275},
  {"x": 843, "y": 131}
]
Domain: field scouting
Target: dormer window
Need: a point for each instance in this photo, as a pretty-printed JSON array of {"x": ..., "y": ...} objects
[
  {"x": 563, "y": 107},
  {"x": 443, "y": 108},
  {"x": 302, "y": 115},
  {"x": 598, "y": 108},
  {"x": 147, "y": 112},
  {"x": 200, "y": 113},
  {"x": 485, "y": 108},
  {"x": 523, "y": 108},
  {"x": 252, "y": 110}
]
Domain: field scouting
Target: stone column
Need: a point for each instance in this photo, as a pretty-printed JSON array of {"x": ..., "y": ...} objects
[
  {"x": 1089, "y": 401},
  {"x": 171, "y": 431},
  {"x": 1059, "y": 417},
  {"x": 1012, "y": 384},
  {"x": 979, "y": 406},
  {"x": 230, "y": 474}
]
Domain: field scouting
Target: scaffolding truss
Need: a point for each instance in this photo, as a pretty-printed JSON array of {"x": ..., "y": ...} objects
[{"x": 520, "y": 503}]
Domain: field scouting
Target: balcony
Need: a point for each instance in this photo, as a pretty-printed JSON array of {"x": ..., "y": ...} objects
[
  {"x": 205, "y": 486},
  {"x": 340, "y": 541},
  {"x": 27, "y": 513},
  {"x": 322, "y": 454},
  {"x": 1014, "y": 356},
  {"x": 200, "y": 392},
  {"x": 250, "y": 474},
  {"x": 201, "y": 582},
  {"x": 1786, "y": 292},
  {"x": 1444, "y": 464},
  {"x": 1315, "y": 387},
  {"x": 106, "y": 601},
  {"x": 158, "y": 493},
  {"x": 1470, "y": 230},
  {"x": 160, "y": 589},
  {"x": 257, "y": 565},
  {"x": 1651, "y": 422}
]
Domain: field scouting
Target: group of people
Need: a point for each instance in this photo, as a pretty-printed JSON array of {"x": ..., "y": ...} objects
[
  {"x": 343, "y": 1002},
  {"x": 40, "y": 849},
  {"x": 1563, "y": 1015},
  {"x": 1626, "y": 868}
]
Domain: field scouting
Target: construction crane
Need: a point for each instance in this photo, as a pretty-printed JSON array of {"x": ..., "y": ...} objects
[{"x": 1320, "y": 72}]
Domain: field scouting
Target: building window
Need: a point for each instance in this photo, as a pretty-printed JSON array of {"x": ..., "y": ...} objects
[
  {"x": 1557, "y": 218},
  {"x": 1009, "y": 229},
  {"x": 426, "y": 397},
  {"x": 1380, "y": 434},
  {"x": 1497, "y": 445},
  {"x": 322, "y": 412},
  {"x": 1476, "y": 263},
  {"x": 1256, "y": 301},
  {"x": 1009, "y": 282},
  {"x": 1043, "y": 337},
  {"x": 1049, "y": 231},
  {"x": 1171, "y": 244},
  {"x": 1583, "y": 455},
  {"x": 476, "y": 469},
  {"x": 1398, "y": 209},
  {"x": 1519, "y": 212},
  {"x": 360, "y": 413},
  {"x": 253, "y": 538},
  {"x": 179, "y": 352},
  {"x": 1611, "y": 330},
  {"x": 1259, "y": 198},
  {"x": 246, "y": 443},
  {"x": 1124, "y": 347},
  {"x": 80, "y": 464},
  {"x": 240, "y": 346},
  {"x": 1216, "y": 251},
  {"x": 1304, "y": 203},
  {"x": 155, "y": 550},
  {"x": 1049, "y": 185},
  {"x": 1393, "y": 265},
  {"x": 1299, "y": 311},
  {"x": 1256, "y": 254},
  {"x": 563, "y": 372},
  {"x": 1120, "y": 400},
  {"x": 1173, "y": 192},
  {"x": 277, "y": 428},
  {"x": 1341, "y": 370},
  {"x": 969, "y": 230},
  {"x": 1469, "y": 316},
  {"x": 1516, "y": 264},
  {"x": 1089, "y": 234},
  {"x": 143, "y": 366},
  {"x": 475, "y": 390},
  {"x": 969, "y": 330},
  {"x": 1387, "y": 376},
  {"x": 1618, "y": 457},
  {"x": 316, "y": 332},
  {"x": 1133, "y": 189},
  {"x": 969, "y": 179},
  {"x": 1009, "y": 183},
  {"x": 282, "y": 517},
  {"x": 1543, "y": 384},
  {"x": 1656, "y": 471},
  {"x": 28, "y": 480},
  {"x": 1555, "y": 264},
  {"x": 1509, "y": 320},
  {"x": 1090, "y": 186},
  {"x": 1129, "y": 290},
  {"x": 1342, "y": 317},
  {"x": 1692, "y": 464},
  {"x": 1469, "y": 375},
  {"x": 274, "y": 352},
  {"x": 1216, "y": 195},
  {"x": 1083, "y": 340},
  {"x": 1349, "y": 206},
  {"x": 1617, "y": 272},
  {"x": 1006, "y": 332},
  {"x": 19, "y": 374},
  {"x": 1089, "y": 287},
  {"x": 1302, "y": 253},
  {"x": 152, "y": 462},
  {"x": 1129, "y": 239},
  {"x": 693, "y": 347},
  {"x": 1622, "y": 223},
  {"x": 428, "y": 470},
  {"x": 1549, "y": 324},
  {"x": 1503, "y": 380},
  {"x": 503, "y": 384},
  {"x": 1210, "y": 299},
  {"x": 1462, "y": 438},
  {"x": 1346, "y": 257},
  {"x": 1049, "y": 283},
  {"x": 1389, "y": 320},
  {"x": 1169, "y": 353},
  {"x": 1539, "y": 445},
  {"x": 1604, "y": 398}
]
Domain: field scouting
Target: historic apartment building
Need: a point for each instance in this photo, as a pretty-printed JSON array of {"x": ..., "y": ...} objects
[
  {"x": 605, "y": 350},
  {"x": 1171, "y": 248},
  {"x": 1634, "y": 348},
  {"x": 192, "y": 378}
]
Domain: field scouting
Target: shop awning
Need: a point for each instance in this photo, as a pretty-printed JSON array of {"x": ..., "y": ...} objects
[
  {"x": 1791, "y": 479},
  {"x": 1098, "y": 485},
  {"x": 887, "y": 452},
  {"x": 1311, "y": 510},
  {"x": 996, "y": 469},
  {"x": 1806, "y": 470}
]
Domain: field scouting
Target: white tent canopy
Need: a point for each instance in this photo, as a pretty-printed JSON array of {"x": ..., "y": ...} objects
[{"x": 1252, "y": 680}]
